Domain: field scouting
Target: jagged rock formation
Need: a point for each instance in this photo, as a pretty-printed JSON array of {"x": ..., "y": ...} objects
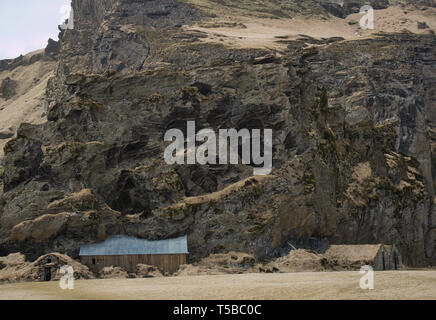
[{"x": 354, "y": 138}]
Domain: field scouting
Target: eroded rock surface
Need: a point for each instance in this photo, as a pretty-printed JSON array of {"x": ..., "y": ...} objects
[{"x": 353, "y": 126}]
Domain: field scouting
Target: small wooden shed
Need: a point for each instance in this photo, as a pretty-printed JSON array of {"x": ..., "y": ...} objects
[
  {"x": 356, "y": 256},
  {"x": 127, "y": 252}
]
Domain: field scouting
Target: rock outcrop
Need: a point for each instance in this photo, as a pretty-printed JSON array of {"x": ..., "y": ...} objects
[
  {"x": 7, "y": 88},
  {"x": 22, "y": 90},
  {"x": 353, "y": 139}
]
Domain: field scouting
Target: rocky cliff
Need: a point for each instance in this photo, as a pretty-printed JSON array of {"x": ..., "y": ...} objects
[{"x": 354, "y": 133}]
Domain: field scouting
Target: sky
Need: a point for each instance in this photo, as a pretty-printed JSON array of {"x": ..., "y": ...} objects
[{"x": 26, "y": 25}]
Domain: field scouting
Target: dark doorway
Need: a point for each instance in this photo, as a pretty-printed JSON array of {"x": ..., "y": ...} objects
[
  {"x": 47, "y": 274},
  {"x": 384, "y": 262},
  {"x": 395, "y": 261}
]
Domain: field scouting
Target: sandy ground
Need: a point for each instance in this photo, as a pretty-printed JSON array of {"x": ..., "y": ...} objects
[
  {"x": 267, "y": 33},
  {"x": 317, "y": 285}
]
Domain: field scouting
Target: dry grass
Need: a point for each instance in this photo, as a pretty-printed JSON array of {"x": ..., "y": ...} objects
[
  {"x": 261, "y": 31},
  {"x": 364, "y": 252},
  {"x": 215, "y": 196},
  {"x": 298, "y": 261},
  {"x": 316, "y": 285},
  {"x": 220, "y": 263}
]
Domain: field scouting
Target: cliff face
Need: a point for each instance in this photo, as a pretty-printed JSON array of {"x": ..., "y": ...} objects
[
  {"x": 22, "y": 87},
  {"x": 353, "y": 139}
]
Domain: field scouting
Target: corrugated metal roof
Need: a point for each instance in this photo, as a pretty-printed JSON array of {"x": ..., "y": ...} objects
[{"x": 124, "y": 245}]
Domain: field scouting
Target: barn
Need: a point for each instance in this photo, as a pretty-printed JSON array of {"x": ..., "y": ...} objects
[
  {"x": 127, "y": 252},
  {"x": 356, "y": 256}
]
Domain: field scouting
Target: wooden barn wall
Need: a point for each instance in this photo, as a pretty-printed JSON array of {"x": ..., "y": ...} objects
[{"x": 165, "y": 262}]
